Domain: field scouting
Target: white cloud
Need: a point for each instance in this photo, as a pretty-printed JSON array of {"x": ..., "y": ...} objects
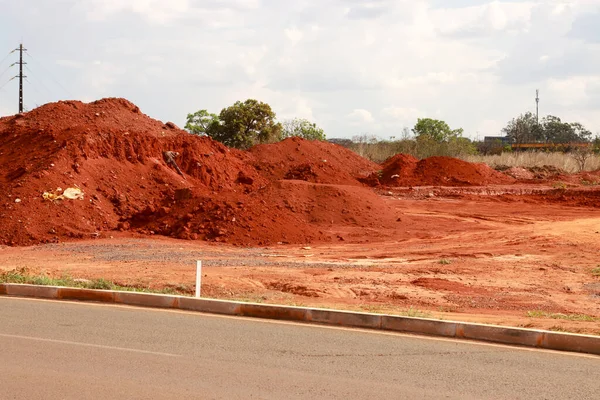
[
  {"x": 475, "y": 64},
  {"x": 569, "y": 92},
  {"x": 70, "y": 63},
  {"x": 294, "y": 34},
  {"x": 360, "y": 116},
  {"x": 484, "y": 19},
  {"x": 157, "y": 11},
  {"x": 401, "y": 113}
]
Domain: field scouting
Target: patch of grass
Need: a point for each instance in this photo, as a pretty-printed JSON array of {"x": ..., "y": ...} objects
[
  {"x": 249, "y": 298},
  {"x": 23, "y": 277},
  {"x": 536, "y": 159},
  {"x": 596, "y": 271},
  {"x": 372, "y": 309},
  {"x": 567, "y": 317},
  {"x": 413, "y": 312},
  {"x": 101, "y": 284},
  {"x": 557, "y": 328},
  {"x": 380, "y": 309},
  {"x": 536, "y": 314},
  {"x": 445, "y": 261}
]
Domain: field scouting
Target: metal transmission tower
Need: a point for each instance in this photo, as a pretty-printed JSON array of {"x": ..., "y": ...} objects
[
  {"x": 537, "y": 106},
  {"x": 20, "y": 49}
]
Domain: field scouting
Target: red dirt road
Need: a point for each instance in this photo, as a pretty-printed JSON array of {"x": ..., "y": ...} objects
[{"x": 468, "y": 254}]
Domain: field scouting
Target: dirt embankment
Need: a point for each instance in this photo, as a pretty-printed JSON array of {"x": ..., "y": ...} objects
[
  {"x": 116, "y": 156},
  {"x": 121, "y": 160},
  {"x": 311, "y": 161}
]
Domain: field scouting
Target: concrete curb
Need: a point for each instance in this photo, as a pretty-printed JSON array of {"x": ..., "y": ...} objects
[{"x": 422, "y": 326}]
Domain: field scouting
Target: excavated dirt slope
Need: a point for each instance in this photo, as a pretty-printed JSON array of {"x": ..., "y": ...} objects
[
  {"x": 115, "y": 155},
  {"x": 312, "y": 161}
]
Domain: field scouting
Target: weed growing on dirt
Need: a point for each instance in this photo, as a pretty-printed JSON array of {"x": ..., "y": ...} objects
[
  {"x": 249, "y": 298},
  {"x": 101, "y": 284},
  {"x": 410, "y": 312},
  {"x": 373, "y": 309},
  {"x": 413, "y": 312},
  {"x": 559, "y": 185},
  {"x": 536, "y": 314},
  {"x": 21, "y": 276},
  {"x": 557, "y": 328},
  {"x": 568, "y": 317},
  {"x": 596, "y": 271}
]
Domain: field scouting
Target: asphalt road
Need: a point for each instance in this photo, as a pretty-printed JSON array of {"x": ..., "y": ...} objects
[{"x": 61, "y": 350}]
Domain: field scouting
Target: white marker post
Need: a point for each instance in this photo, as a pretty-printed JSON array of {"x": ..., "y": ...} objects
[{"x": 198, "y": 277}]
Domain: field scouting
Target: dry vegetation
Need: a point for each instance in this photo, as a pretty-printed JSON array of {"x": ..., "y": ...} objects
[
  {"x": 564, "y": 161},
  {"x": 379, "y": 151}
]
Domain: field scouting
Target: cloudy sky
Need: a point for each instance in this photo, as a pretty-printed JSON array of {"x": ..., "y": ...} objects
[{"x": 352, "y": 66}]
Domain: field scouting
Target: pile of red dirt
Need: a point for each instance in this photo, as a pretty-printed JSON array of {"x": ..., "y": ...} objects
[
  {"x": 405, "y": 170},
  {"x": 283, "y": 212},
  {"x": 312, "y": 161},
  {"x": 115, "y": 156}
]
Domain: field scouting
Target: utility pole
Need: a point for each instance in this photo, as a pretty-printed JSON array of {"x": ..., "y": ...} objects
[
  {"x": 537, "y": 106},
  {"x": 20, "y": 78},
  {"x": 20, "y": 49}
]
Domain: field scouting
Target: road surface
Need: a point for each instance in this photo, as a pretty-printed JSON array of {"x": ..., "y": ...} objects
[{"x": 64, "y": 350}]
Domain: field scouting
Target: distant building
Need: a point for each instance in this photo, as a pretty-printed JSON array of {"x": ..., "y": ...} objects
[{"x": 496, "y": 139}]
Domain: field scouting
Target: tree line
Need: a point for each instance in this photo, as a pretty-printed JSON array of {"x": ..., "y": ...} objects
[
  {"x": 251, "y": 122},
  {"x": 245, "y": 124},
  {"x": 551, "y": 129}
]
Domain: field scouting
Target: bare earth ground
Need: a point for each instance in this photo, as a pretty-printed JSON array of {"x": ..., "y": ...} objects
[{"x": 460, "y": 254}]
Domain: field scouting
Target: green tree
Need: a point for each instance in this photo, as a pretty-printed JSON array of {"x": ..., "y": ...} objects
[
  {"x": 302, "y": 128},
  {"x": 435, "y": 130},
  {"x": 245, "y": 124},
  {"x": 202, "y": 122},
  {"x": 583, "y": 134},
  {"x": 596, "y": 145},
  {"x": 524, "y": 129},
  {"x": 556, "y": 131}
]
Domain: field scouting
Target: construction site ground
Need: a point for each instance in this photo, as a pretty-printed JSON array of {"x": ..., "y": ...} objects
[{"x": 492, "y": 254}]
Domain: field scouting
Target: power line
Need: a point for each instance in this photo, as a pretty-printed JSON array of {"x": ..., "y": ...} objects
[
  {"x": 7, "y": 68},
  {"x": 34, "y": 88},
  {"x": 6, "y": 83},
  {"x": 39, "y": 81},
  {"x": 50, "y": 74},
  {"x": 5, "y": 58}
]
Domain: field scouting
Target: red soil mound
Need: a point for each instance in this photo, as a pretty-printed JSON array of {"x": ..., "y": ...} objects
[
  {"x": 312, "y": 161},
  {"x": 284, "y": 212},
  {"x": 398, "y": 168},
  {"x": 405, "y": 170},
  {"x": 115, "y": 155}
]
